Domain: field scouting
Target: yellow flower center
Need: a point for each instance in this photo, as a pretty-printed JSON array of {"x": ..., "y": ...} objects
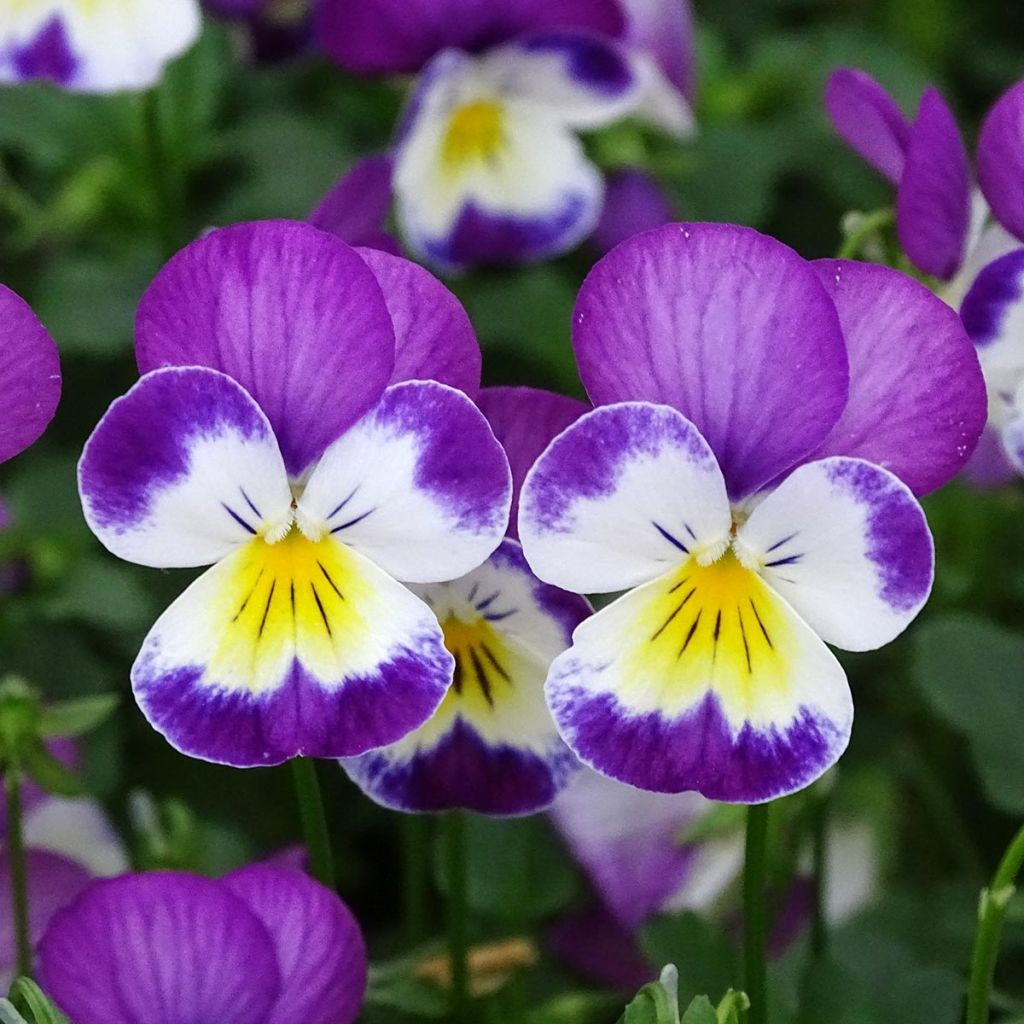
[
  {"x": 482, "y": 663},
  {"x": 475, "y": 134}
]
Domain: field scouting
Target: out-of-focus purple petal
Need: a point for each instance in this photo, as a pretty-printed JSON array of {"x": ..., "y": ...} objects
[
  {"x": 933, "y": 205},
  {"x": 1001, "y": 159},
  {"x": 664, "y": 29},
  {"x": 989, "y": 466},
  {"x": 595, "y": 944},
  {"x": 77, "y": 828},
  {"x": 387, "y": 36},
  {"x": 633, "y": 202},
  {"x": 868, "y": 120},
  {"x": 358, "y": 205}
]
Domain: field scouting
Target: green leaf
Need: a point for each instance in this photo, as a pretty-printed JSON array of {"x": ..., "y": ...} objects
[
  {"x": 29, "y": 998},
  {"x": 78, "y": 716},
  {"x": 393, "y": 985},
  {"x": 655, "y": 1004},
  {"x": 48, "y": 773},
  {"x": 9, "y": 1015},
  {"x": 700, "y": 1011},
  {"x": 573, "y": 1008}
]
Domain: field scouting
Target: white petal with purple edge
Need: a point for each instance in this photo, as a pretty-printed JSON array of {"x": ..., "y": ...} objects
[
  {"x": 419, "y": 485},
  {"x": 79, "y": 829},
  {"x": 182, "y": 470},
  {"x": 628, "y": 491},
  {"x": 847, "y": 545}
]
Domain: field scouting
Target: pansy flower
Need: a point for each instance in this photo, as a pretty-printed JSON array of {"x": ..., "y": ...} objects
[
  {"x": 94, "y": 45},
  {"x": 273, "y": 29},
  {"x": 280, "y": 434},
  {"x": 763, "y": 425},
  {"x": 492, "y": 746},
  {"x": 263, "y": 945}
]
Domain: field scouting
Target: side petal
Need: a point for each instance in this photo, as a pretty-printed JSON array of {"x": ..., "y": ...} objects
[
  {"x": 633, "y": 202},
  {"x": 664, "y": 29},
  {"x": 29, "y": 375},
  {"x": 358, "y": 205},
  {"x": 292, "y": 313},
  {"x": 419, "y": 485},
  {"x": 989, "y": 466},
  {"x": 182, "y": 470},
  {"x": 491, "y": 747},
  {"x": 695, "y": 316},
  {"x": 525, "y": 421},
  {"x": 161, "y": 947},
  {"x": 703, "y": 679},
  {"x": 434, "y": 339},
  {"x": 321, "y": 955},
  {"x": 917, "y": 401},
  {"x": 847, "y": 545},
  {"x": 621, "y": 496},
  {"x": 77, "y": 828},
  {"x": 287, "y": 649},
  {"x": 387, "y": 36},
  {"x": 933, "y": 205},
  {"x": 1001, "y": 159},
  {"x": 868, "y": 120},
  {"x": 993, "y": 315}
]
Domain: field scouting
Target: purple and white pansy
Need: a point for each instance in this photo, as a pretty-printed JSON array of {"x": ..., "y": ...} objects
[
  {"x": 749, "y": 475},
  {"x": 281, "y": 433},
  {"x": 263, "y": 945},
  {"x": 492, "y": 746},
  {"x": 94, "y": 45}
]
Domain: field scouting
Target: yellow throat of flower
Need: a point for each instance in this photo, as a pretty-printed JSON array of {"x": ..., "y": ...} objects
[{"x": 475, "y": 134}]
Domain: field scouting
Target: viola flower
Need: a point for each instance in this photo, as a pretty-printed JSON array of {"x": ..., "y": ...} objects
[
  {"x": 492, "y": 746},
  {"x": 763, "y": 425},
  {"x": 95, "y": 45},
  {"x": 263, "y": 945},
  {"x": 281, "y": 435}
]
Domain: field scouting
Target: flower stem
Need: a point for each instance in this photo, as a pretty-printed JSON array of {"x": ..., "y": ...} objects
[
  {"x": 314, "y": 820},
  {"x": 870, "y": 224},
  {"x": 991, "y": 915},
  {"x": 754, "y": 914},
  {"x": 158, "y": 166},
  {"x": 458, "y": 913},
  {"x": 19, "y": 887},
  {"x": 416, "y": 871}
]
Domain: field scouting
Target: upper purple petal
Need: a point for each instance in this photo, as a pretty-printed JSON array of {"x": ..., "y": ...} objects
[
  {"x": 664, "y": 29},
  {"x": 917, "y": 401},
  {"x": 730, "y": 327},
  {"x": 320, "y": 950},
  {"x": 290, "y": 312},
  {"x": 358, "y": 205},
  {"x": 933, "y": 206},
  {"x": 868, "y": 119},
  {"x": 386, "y": 36},
  {"x": 29, "y": 375},
  {"x": 633, "y": 202},
  {"x": 1001, "y": 159},
  {"x": 434, "y": 339},
  {"x": 164, "y": 948}
]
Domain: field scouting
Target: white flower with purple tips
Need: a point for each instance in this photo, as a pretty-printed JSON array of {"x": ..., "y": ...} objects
[
  {"x": 749, "y": 476},
  {"x": 287, "y": 432}
]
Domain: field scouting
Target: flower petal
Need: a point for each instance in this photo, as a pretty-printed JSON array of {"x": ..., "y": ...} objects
[
  {"x": 847, "y": 545},
  {"x": 989, "y": 466},
  {"x": 664, "y": 29},
  {"x": 703, "y": 679},
  {"x": 101, "y": 46},
  {"x": 626, "y": 492},
  {"x": 933, "y": 206},
  {"x": 525, "y": 421},
  {"x": 993, "y": 314},
  {"x": 79, "y": 829},
  {"x": 290, "y": 312},
  {"x": 434, "y": 339},
  {"x": 182, "y": 470},
  {"x": 633, "y": 202},
  {"x": 161, "y": 947},
  {"x": 383, "y": 36},
  {"x": 1001, "y": 159},
  {"x": 696, "y": 316},
  {"x": 320, "y": 950},
  {"x": 917, "y": 401},
  {"x": 869, "y": 121},
  {"x": 359, "y": 204},
  {"x": 29, "y": 375},
  {"x": 298, "y": 647},
  {"x": 491, "y": 747},
  {"x": 419, "y": 485}
]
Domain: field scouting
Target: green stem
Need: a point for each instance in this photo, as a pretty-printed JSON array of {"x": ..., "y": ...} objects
[
  {"x": 416, "y": 871},
  {"x": 16, "y": 856},
  {"x": 754, "y": 912},
  {"x": 458, "y": 914},
  {"x": 819, "y": 841},
  {"x": 870, "y": 224},
  {"x": 314, "y": 820},
  {"x": 158, "y": 166},
  {"x": 991, "y": 916}
]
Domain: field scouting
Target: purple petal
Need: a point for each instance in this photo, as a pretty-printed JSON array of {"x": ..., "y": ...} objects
[
  {"x": 664, "y": 29},
  {"x": 525, "y": 421},
  {"x": 869, "y": 121},
  {"x": 359, "y": 204},
  {"x": 293, "y": 314},
  {"x": 385, "y": 36},
  {"x": 917, "y": 401},
  {"x": 434, "y": 339},
  {"x": 159, "y": 948},
  {"x": 633, "y": 202},
  {"x": 1001, "y": 159},
  {"x": 29, "y": 375},
  {"x": 933, "y": 207},
  {"x": 696, "y": 316},
  {"x": 595, "y": 944},
  {"x": 989, "y": 466},
  {"x": 993, "y": 307},
  {"x": 320, "y": 950},
  {"x": 47, "y": 56}
]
